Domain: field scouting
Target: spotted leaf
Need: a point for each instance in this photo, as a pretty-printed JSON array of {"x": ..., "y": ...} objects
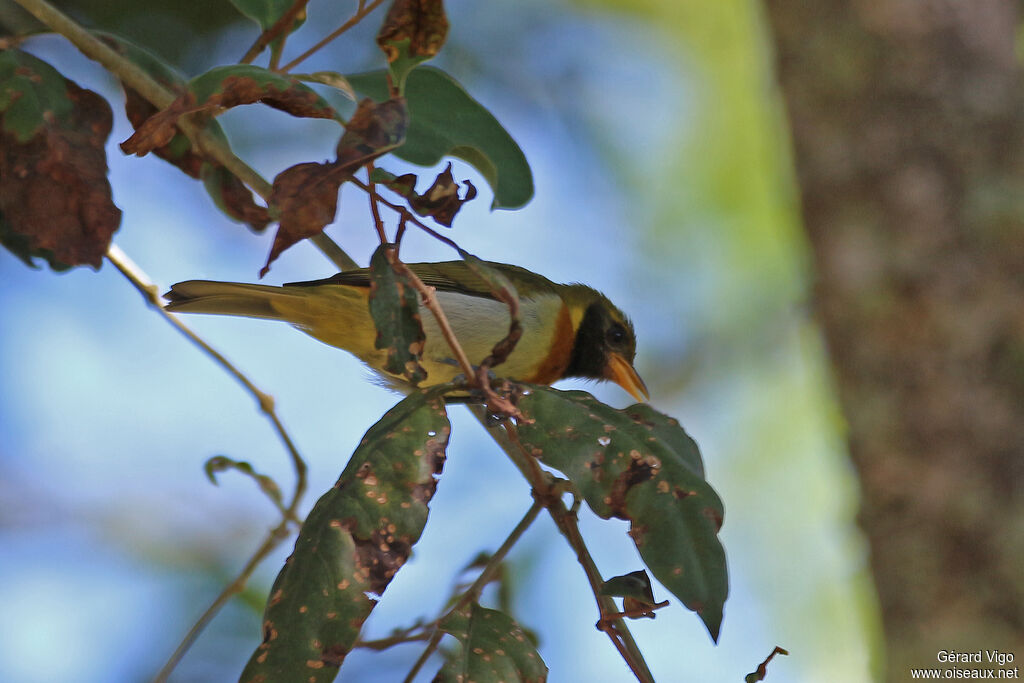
[
  {"x": 394, "y": 306},
  {"x": 55, "y": 199},
  {"x": 639, "y": 465},
  {"x": 493, "y": 648},
  {"x": 355, "y": 539}
]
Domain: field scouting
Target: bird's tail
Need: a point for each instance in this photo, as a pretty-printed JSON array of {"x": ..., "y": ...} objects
[{"x": 229, "y": 298}]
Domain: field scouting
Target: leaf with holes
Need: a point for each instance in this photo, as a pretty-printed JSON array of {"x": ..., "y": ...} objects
[
  {"x": 228, "y": 192},
  {"x": 639, "y": 465},
  {"x": 413, "y": 31},
  {"x": 222, "y": 88},
  {"x": 441, "y": 201},
  {"x": 55, "y": 199},
  {"x": 493, "y": 648},
  {"x": 445, "y": 121},
  {"x": 356, "y": 537},
  {"x": 394, "y": 306}
]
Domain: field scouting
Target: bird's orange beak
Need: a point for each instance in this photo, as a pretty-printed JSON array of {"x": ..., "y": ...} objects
[{"x": 621, "y": 372}]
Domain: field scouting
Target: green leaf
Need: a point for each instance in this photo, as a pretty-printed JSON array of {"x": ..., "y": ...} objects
[
  {"x": 354, "y": 540},
  {"x": 394, "y": 306},
  {"x": 494, "y": 648},
  {"x": 446, "y": 121},
  {"x": 632, "y": 585},
  {"x": 638, "y": 464}
]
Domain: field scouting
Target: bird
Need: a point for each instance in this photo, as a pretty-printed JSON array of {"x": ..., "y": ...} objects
[{"x": 569, "y": 330}]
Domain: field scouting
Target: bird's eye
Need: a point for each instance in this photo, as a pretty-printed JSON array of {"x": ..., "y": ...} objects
[{"x": 616, "y": 334}]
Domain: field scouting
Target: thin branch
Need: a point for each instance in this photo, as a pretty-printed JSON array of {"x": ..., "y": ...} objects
[
  {"x": 429, "y": 296},
  {"x": 634, "y": 613},
  {"x": 565, "y": 520},
  {"x": 151, "y": 293},
  {"x": 494, "y": 562},
  {"x": 474, "y": 590},
  {"x": 414, "y": 634},
  {"x": 140, "y": 81},
  {"x": 273, "y": 539},
  {"x": 374, "y": 198},
  {"x": 762, "y": 668},
  {"x": 361, "y": 11},
  {"x": 407, "y": 215},
  {"x": 271, "y": 34}
]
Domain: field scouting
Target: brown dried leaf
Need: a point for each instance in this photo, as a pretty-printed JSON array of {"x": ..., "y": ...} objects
[
  {"x": 441, "y": 202},
  {"x": 55, "y": 200},
  {"x": 305, "y": 196},
  {"x": 223, "y": 88},
  {"x": 305, "y": 199},
  {"x": 420, "y": 22},
  {"x": 374, "y": 129}
]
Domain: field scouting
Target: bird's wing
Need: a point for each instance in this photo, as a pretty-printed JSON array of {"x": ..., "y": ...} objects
[{"x": 448, "y": 276}]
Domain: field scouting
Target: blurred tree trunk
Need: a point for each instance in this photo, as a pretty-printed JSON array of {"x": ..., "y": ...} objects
[{"x": 907, "y": 119}]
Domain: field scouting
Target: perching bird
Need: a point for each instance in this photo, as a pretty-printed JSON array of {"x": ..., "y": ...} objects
[{"x": 568, "y": 330}]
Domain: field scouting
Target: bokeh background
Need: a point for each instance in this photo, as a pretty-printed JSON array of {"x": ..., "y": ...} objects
[{"x": 663, "y": 178}]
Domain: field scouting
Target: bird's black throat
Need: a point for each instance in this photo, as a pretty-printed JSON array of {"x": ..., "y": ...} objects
[{"x": 589, "y": 352}]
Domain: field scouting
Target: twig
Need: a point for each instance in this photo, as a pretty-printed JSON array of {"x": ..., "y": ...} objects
[
  {"x": 413, "y": 634},
  {"x": 149, "y": 291},
  {"x": 473, "y": 592},
  {"x": 271, "y": 34},
  {"x": 642, "y": 611},
  {"x": 374, "y": 198},
  {"x": 407, "y": 215},
  {"x": 565, "y": 520},
  {"x": 361, "y": 11},
  {"x": 762, "y": 668},
  {"x": 276, "y": 535},
  {"x": 140, "y": 81},
  {"x": 429, "y": 296}
]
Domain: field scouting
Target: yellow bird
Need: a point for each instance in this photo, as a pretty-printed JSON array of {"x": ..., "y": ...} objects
[{"x": 568, "y": 330}]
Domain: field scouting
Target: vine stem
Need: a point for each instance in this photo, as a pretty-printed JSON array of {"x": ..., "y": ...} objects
[
  {"x": 474, "y": 590},
  {"x": 567, "y": 523},
  {"x": 151, "y": 293},
  {"x": 361, "y": 11},
  {"x": 140, "y": 81}
]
